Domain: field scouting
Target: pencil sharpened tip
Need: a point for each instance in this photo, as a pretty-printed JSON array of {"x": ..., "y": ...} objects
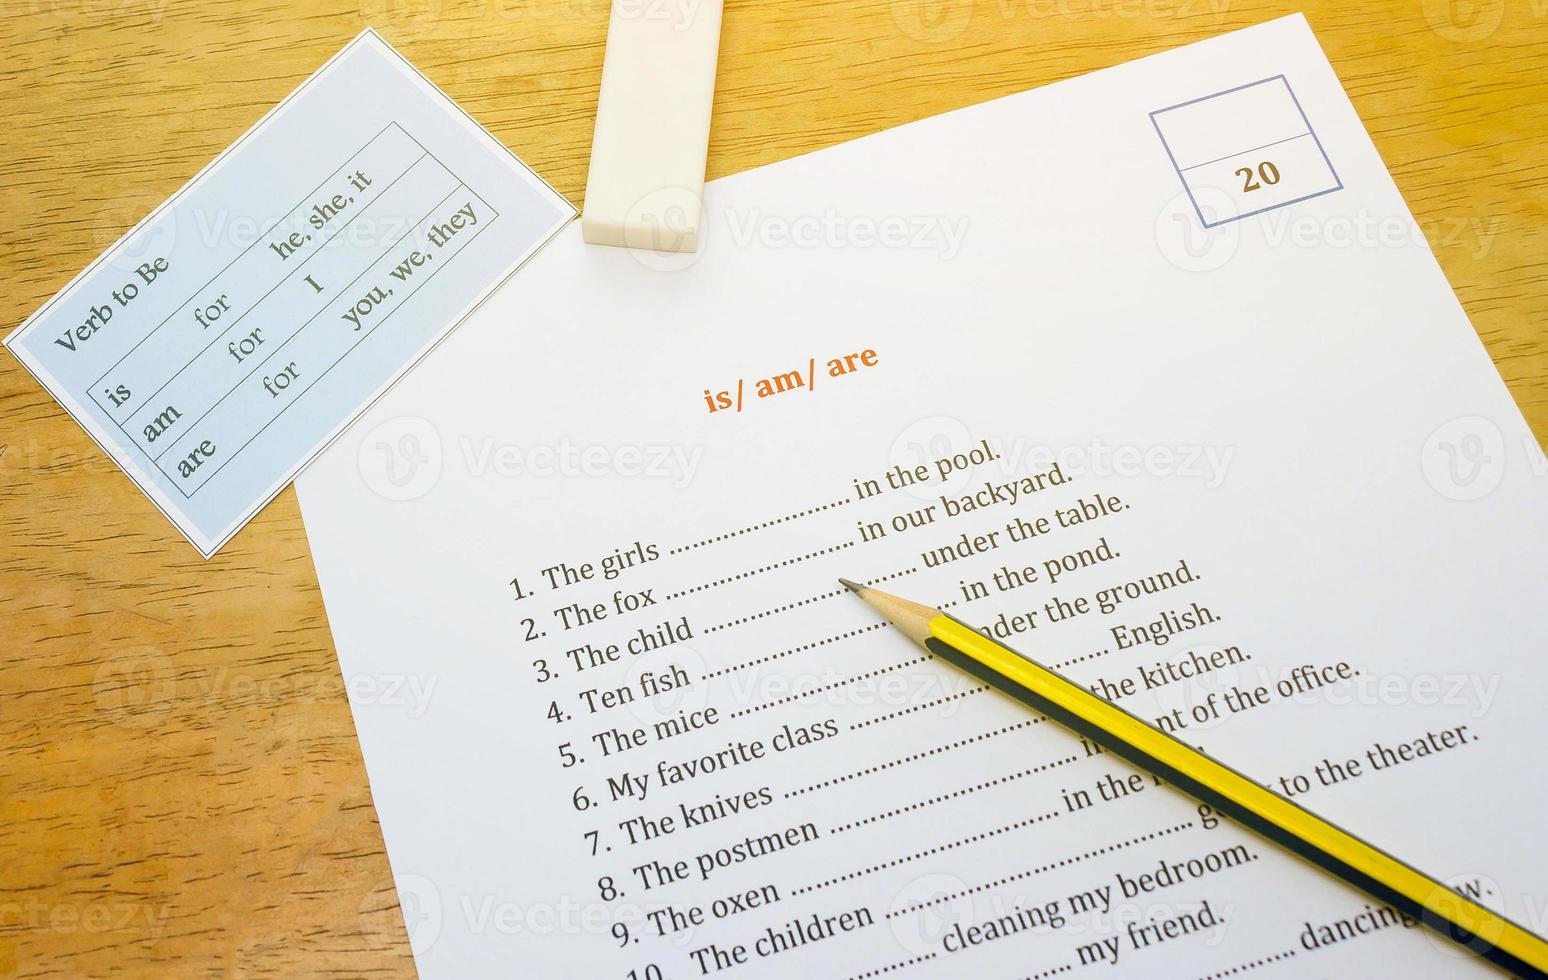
[{"x": 854, "y": 587}]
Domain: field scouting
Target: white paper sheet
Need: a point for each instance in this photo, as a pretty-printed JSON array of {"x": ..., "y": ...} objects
[{"x": 1268, "y": 490}]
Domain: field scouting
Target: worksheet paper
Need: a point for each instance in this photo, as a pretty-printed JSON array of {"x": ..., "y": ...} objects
[
  {"x": 1214, "y": 438},
  {"x": 227, "y": 337}
]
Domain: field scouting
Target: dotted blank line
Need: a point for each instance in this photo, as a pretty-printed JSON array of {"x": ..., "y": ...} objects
[
  {"x": 979, "y": 689},
  {"x": 913, "y": 758},
  {"x": 956, "y": 793},
  {"x": 800, "y": 649},
  {"x": 803, "y": 602},
  {"x": 1075, "y": 660},
  {"x": 1265, "y": 961},
  {"x": 759, "y": 571},
  {"x": 927, "y": 853},
  {"x": 847, "y": 634},
  {"x": 828, "y": 687},
  {"x": 1042, "y": 868},
  {"x": 758, "y": 527},
  {"x": 868, "y": 974}
]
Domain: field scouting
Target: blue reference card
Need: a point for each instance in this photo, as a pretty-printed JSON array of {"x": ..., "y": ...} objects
[{"x": 242, "y": 325}]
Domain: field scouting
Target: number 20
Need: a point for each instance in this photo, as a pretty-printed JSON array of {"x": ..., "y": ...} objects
[{"x": 1267, "y": 172}]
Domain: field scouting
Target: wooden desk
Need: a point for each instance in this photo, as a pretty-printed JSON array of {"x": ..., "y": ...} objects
[{"x": 181, "y": 792}]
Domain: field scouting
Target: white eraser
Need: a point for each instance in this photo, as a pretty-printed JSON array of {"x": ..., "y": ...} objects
[{"x": 645, "y": 188}]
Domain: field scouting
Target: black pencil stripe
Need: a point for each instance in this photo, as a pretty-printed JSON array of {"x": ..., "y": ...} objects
[{"x": 1235, "y": 811}]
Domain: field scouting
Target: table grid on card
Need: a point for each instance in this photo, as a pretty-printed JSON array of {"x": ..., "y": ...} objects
[
  {"x": 407, "y": 210},
  {"x": 1245, "y": 150}
]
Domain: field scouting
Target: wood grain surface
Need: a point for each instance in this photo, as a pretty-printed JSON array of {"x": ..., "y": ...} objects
[{"x": 181, "y": 791}]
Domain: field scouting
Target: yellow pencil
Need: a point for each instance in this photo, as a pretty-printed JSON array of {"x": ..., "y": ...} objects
[{"x": 1331, "y": 848}]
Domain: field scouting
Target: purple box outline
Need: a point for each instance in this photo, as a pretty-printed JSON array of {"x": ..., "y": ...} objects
[{"x": 1337, "y": 181}]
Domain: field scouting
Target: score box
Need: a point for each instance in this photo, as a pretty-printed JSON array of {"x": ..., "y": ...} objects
[
  {"x": 228, "y": 337},
  {"x": 1244, "y": 151}
]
